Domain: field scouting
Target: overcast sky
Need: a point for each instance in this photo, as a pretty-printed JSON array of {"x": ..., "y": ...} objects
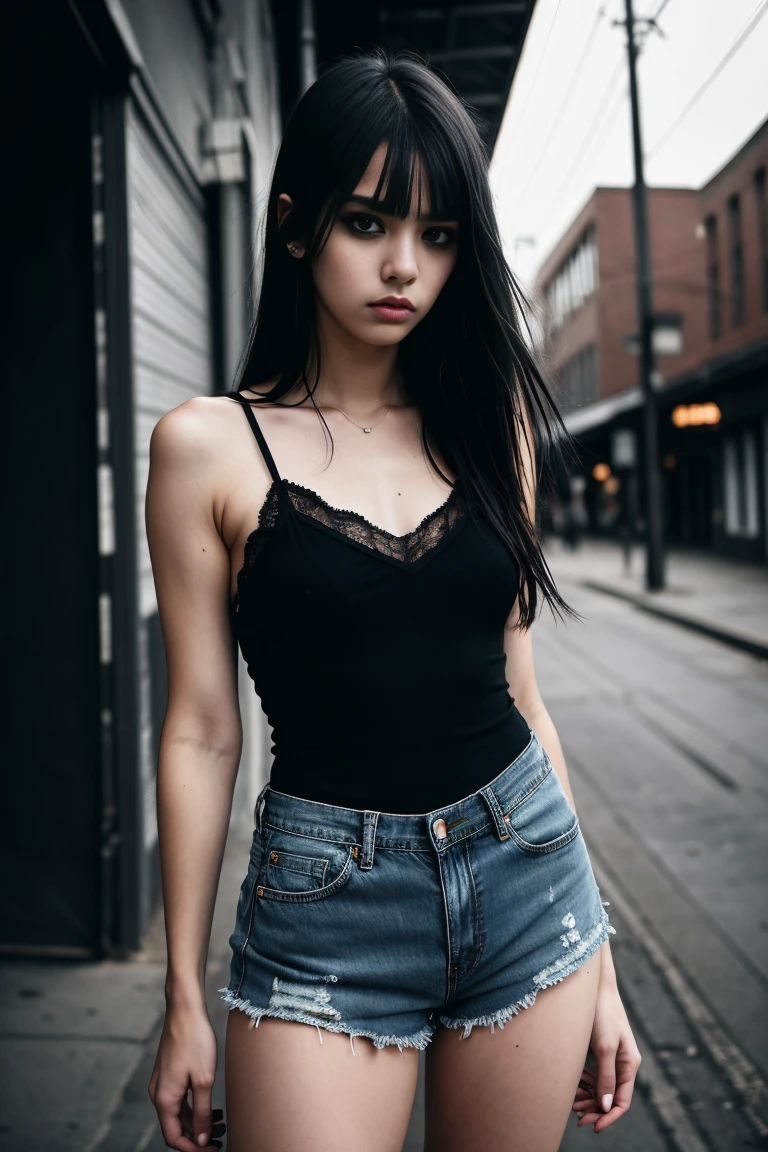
[{"x": 567, "y": 127}]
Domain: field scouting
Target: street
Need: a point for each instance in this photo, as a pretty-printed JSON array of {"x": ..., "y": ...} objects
[{"x": 664, "y": 732}]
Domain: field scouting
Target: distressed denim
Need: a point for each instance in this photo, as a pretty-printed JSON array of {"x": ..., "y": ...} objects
[{"x": 387, "y": 925}]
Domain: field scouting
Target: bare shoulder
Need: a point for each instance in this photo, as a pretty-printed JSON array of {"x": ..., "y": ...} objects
[
  {"x": 195, "y": 428},
  {"x": 199, "y": 430}
]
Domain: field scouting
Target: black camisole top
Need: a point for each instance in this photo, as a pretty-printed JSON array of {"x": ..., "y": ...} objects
[{"x": 378, "y": 659}]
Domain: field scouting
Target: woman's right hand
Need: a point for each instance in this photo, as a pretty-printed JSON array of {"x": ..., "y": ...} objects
[{"x": 186, "y": 1061}]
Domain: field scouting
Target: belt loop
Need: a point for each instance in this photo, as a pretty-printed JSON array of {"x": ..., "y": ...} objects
[
  {"x": 370, "y": 820},
  {"x": 494, "y": 807},
  {"x": 258, "y": 807}
]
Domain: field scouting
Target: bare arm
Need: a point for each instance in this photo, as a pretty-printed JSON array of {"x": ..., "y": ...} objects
[
  {"x": 200, "y": 742},
  {"x": 201, "y": 737}
]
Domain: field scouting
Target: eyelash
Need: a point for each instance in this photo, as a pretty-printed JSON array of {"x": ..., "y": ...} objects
[{"x": 350, "y": 221}]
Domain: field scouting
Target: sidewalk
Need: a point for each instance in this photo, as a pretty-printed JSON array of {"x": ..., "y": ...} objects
[
  {"x": 78, "y": 1040},
  {"x": 710, "y": 594}
]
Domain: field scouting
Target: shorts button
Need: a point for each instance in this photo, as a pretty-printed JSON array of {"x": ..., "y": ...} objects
[{"x": 439, "y": 829}]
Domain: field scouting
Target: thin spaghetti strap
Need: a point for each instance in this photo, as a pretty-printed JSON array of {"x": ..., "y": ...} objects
[{"x": 258, "y": 434}]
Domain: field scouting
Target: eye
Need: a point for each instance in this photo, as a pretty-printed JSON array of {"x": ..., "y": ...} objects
[
  {"x": 432, "y": 234},
  {"x": 362, "y": 225}
]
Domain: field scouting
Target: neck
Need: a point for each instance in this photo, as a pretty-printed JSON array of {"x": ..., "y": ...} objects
[{"x": 355, "y": 376}]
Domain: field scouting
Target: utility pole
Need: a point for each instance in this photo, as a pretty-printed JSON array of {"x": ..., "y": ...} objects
[{"x": 654, "y": 567}]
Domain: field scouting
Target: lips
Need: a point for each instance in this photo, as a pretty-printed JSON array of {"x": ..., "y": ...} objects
[
  {"x": 393, "y": 302},
  {"x": 393, "y": 308}
]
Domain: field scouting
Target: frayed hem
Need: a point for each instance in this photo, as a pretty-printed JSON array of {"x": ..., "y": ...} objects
[
  {"x": 573, "y": 959},
  {"x": 500, "y": 1017},
  {"x": 554, "y": 974},
  {"x": 418, "y": 1040}
]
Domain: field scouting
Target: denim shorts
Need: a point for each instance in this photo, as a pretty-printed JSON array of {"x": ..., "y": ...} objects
[{"x": 387, "y": 925}]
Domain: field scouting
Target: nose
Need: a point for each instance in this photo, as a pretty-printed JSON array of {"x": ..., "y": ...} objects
[{"x": 400, "y": 262}]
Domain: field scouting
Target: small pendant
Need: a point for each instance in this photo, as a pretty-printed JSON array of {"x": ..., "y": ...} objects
[{"x": 366, "y": 429}]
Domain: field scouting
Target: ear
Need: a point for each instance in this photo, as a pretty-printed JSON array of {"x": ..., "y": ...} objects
[{"x": 284, "y": 205}]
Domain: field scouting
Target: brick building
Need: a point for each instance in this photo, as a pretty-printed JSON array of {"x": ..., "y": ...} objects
[{"x": 709, "y": 255}]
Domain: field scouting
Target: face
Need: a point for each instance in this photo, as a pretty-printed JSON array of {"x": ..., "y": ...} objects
[{"x": 370, "y": 256}]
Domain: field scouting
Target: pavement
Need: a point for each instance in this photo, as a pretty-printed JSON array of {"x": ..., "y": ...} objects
[
  {"x": 664, "y": 731},
  {"x": 710, "y": 594}
]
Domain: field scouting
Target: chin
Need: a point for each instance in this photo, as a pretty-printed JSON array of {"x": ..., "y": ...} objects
[{"x": 379, "y": 337}]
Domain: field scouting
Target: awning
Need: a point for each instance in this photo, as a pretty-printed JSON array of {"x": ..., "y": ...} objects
[{"x": 602, "y": 411}]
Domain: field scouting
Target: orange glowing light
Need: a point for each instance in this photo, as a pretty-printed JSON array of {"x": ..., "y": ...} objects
[
  {"x": 612, "y": 485},
  {"x": 601, "y": 472},
  {"x": 694, "y": 415}
]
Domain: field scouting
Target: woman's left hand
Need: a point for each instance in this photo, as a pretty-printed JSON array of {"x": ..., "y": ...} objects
[{"x": 604, "y": 1094}]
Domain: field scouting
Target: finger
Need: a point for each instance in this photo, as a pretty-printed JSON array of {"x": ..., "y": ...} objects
[
  {"x": 621, "y": 1101},
  {"x": 595, "y": 1115},
  {"x": 582, "y": 1105},
  {"x": 606, "y": 1078},
  {"x": 202, "y": 1116},
  {"x": 604, "y": 1120},
  {"x": 624, "y": 1090},
  {"x": 218, "y": 1127},
  {"x": 176, "y": 1121}
]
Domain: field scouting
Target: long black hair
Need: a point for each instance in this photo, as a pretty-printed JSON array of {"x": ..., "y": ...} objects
[{"x": 466, "y": 366}]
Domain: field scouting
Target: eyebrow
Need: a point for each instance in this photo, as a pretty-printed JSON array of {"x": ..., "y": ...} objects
[{"x": 369, "y": 202}]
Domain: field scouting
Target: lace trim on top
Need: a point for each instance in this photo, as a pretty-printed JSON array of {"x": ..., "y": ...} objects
[{"x": 407, "y": 549}]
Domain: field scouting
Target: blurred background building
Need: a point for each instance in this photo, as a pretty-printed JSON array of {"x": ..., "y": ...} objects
[{"x": 709, "y": 253}]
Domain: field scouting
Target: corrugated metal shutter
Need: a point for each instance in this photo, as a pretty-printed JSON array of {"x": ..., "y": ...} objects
[
  {"x": 170, "y": 306},
  {"x": 172, "y": 361}
]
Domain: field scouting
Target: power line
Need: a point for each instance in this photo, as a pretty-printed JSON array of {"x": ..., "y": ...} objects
[
  {"x": 532, "y": 85},
  {"x": 556, "y": 119},
  {"x": 659, "y": 10},
  {"x": 746, "y": 31},
  {"x": 595, "y": 125},
  {"x": 583, "y": 151},
  {"x": 556, "y": 122}
]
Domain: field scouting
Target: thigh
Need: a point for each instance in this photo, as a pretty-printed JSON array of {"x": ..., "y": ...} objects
[
  {"x": 512, "y": 1089},
  {"x": 287, "y": 1091}
]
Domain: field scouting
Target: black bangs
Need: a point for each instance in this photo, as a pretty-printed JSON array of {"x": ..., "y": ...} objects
[
  {"x": 419, "y": 172},
  {"x": 424, "y": 165}
]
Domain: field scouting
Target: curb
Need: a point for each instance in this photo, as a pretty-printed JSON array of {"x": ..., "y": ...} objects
[{"x": 735, "y": 637}]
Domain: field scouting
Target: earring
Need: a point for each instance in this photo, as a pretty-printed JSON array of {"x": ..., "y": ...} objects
[{"x": 294, "y": 248}]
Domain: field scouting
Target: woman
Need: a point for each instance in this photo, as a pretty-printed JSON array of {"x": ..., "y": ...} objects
[{"x": 417, "y": 875}]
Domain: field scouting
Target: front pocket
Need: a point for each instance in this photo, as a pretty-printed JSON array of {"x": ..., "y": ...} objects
[
  {"x": 299, "y": 869},
  {"x": 544, "y": 820}
]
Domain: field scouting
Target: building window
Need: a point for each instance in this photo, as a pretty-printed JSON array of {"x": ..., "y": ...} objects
[
  {"x": 576, "y": 281},
  {"x": 762, "y": 233},
  {"x": 737, "y": 260},
  {"x": 713, "y": 276},
  {"x": 580, "y": 378}
]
